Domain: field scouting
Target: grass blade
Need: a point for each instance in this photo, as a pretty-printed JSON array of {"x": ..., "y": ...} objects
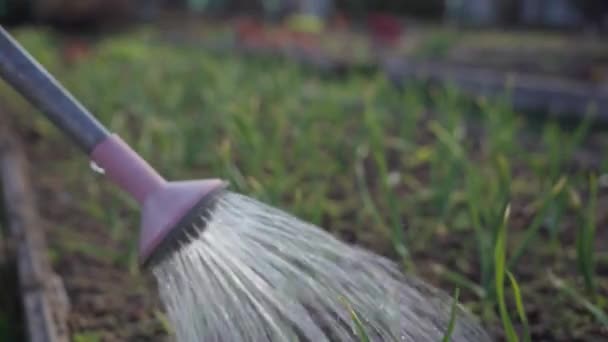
[
  {"x": 586, "y": 239},
  {"x": 519, "y": 304},
  {"x": 536, "y": 225},
  {"x": 459, "y": 280},
  {"x": 599, "y": 314},
  {"x": 448, "y": 333},
  {"x": 360, "y": 329},
  {"x": 500, "y": 264}
]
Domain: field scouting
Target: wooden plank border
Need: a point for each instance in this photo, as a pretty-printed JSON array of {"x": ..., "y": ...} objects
[
  {"x": 554, "y": 95},
  {"x": 44, "y": 300}
]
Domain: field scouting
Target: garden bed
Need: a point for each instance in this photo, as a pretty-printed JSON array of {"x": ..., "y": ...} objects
[
  {"x": 43, "y": 299},
  {"x": 419, "y": 175}
]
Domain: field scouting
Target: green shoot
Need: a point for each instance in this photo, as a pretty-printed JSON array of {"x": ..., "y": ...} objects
[
  {"x": 460, "y": 280},
  {"x": 600, "y": 315},
  {"x": 519, "y": 304},
  {"x": 359, "y": 328},
  {"x": 87, "y": 336},
  {"x": 452, "y": 323},
  {"x": 500, "y": 269},
  {"x": 585, "y": 239},
  {"x": 536, "y": 225},
  {"x": 164, "y": 321}
]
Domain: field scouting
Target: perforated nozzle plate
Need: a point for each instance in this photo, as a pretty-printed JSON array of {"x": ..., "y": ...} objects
[{"x": 170, "y": 212}]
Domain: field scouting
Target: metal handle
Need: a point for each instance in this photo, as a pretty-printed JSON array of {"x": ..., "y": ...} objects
[{"x": 33, "y": 81}]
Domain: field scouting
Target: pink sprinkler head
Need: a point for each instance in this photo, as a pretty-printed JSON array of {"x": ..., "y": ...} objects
[{"x": 169, "y": 209}]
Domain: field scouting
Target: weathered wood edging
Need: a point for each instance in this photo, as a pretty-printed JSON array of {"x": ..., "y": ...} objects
[
  {"x": 44, "y": 300},
  {"x": 553, "y": 95}
]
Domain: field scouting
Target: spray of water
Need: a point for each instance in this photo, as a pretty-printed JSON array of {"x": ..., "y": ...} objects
[{"x": 255, "y": 273}]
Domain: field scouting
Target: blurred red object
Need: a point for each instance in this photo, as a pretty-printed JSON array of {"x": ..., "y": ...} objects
[
  {"x": 340, "y": 22},
  {"x": 75, "y": 49},
  {"x": 386, "y": 29},
  {"x": 255, "y": 34},
  {"x": 306, "y": 41},
  {"x": 250, "y": 32}
]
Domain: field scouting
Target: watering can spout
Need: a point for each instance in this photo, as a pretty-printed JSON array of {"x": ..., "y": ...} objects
[
  {"x": 163, "y": 203},
  {"x": 126, "y": 168},
  {"x": 166, "y": 209}
]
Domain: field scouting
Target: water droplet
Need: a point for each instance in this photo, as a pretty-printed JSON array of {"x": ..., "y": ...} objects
[
  {"x": 393, "y": 178},
  {"x": 97, "y": 168},
  {"x": 604, "y": 180}
]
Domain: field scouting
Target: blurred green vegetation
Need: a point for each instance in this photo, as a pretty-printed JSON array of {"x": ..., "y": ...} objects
[
  {"x": 87, "y": 337},
  {"x": 420, "y": 175}
]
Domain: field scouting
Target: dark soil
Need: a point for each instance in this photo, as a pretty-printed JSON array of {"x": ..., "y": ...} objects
[{"x": 108, "y": 301}]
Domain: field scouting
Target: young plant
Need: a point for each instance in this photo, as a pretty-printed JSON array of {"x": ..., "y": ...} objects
[
  {"x": 585, "y": 239},
  {"x": 535, "y": 226},
  {"x": 500, "y": 256},
  {"x": 359, "y": 327},
  {"x": 598, "y": 313},
  {"x": 560, "y": 145},
  {"x": 486, "y": 202},
  {"x": 500, "y": 252},
  {"x": 374, "y": 124},
  {"x": 519, "y": 304},
  {"x": 451, "y": 324}
]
